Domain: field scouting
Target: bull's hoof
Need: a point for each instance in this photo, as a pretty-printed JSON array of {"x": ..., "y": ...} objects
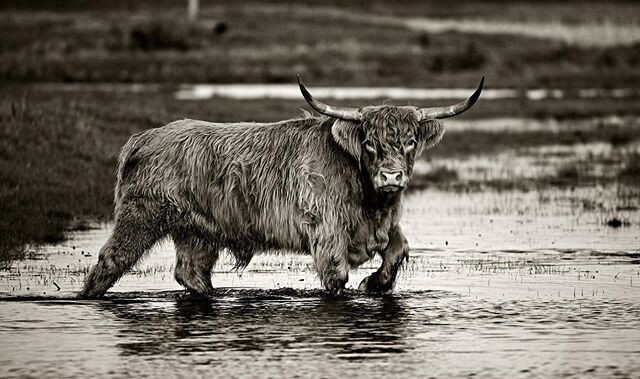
[
  {"x": 197, "y": 285},
  {"x": 372, "y": 284},
  {"x": 336, "y": 286},
  {"x": 89, "y": 295}
]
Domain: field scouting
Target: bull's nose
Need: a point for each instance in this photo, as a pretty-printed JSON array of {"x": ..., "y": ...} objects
[{"x": 391, "y": 178}]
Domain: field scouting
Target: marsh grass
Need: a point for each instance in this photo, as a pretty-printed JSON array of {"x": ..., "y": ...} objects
[{"x": 49, "y": 155}]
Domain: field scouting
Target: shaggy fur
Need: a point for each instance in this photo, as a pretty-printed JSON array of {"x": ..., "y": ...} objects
[{"x": 304, "y": 185}]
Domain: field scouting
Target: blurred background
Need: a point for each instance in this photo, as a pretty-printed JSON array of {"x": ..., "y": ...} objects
[{"x": 559, "y": 114}]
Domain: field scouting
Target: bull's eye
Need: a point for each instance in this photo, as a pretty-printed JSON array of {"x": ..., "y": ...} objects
[
  {"x": 410, "y": 145},
  {"x": 369, "y": 147}
]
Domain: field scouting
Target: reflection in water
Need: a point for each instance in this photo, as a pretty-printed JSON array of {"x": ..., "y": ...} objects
[{"x": 352, "y": 328}]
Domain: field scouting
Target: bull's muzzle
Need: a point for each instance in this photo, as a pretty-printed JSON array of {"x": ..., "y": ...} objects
[{"x": 390, "y": 181}]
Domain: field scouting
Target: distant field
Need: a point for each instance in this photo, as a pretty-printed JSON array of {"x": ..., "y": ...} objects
[
  {"x": 515, "y": 44},
  {"x": 588, "y": 34}
]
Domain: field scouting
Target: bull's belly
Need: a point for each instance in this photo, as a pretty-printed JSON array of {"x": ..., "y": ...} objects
[
  {"x": 258, "y": 244},
  {"x": 247, "y": 236}
]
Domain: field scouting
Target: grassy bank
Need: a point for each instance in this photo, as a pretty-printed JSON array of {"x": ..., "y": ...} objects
[
  {"x": 345, "y": 43},
  {"x": 58, "y": 150}
]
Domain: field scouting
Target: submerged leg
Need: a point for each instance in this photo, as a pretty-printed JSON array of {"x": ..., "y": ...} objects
[
  {"x": 384, "y": 279},
  {"x": 195, "y": 256},
  {"x": 137, "y": 229}
]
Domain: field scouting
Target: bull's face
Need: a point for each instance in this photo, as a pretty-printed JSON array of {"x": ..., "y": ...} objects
[
  {"x": 389, "y": 140},
  {"x": 385, "y": 140}
]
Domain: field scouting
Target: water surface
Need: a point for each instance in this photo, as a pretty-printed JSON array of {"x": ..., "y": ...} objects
[{"x": 250, "y": 333}]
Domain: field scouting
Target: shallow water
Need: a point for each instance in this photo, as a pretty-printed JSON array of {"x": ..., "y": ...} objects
[{"x": 500, "y": 284}]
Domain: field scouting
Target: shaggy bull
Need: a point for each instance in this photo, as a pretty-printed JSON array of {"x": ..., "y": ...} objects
[{"x": 330, "y": 187}]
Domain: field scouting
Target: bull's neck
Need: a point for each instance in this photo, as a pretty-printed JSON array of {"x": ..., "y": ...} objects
[{"x": 375, "y": 200}]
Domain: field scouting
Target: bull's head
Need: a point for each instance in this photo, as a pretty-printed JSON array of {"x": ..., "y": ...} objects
[{"x": 386, "y": 139}]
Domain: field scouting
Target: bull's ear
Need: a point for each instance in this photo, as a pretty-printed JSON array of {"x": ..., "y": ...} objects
[
  {"x": 347, "y": 135},
  {"x": 430, "y": 134}
]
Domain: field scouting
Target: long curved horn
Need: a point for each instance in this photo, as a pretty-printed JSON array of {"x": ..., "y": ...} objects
[
  {"x": 452, "y": 110},
  {"x": 350, "y": 114}
]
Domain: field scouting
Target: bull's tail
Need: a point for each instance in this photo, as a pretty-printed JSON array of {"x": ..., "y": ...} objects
[{"x": 127, "y": 160}]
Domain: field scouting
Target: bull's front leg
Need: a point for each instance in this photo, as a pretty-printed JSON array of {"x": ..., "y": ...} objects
[
  {"x": 384, "y": 279},
  {"x": 330, "y": 257}
]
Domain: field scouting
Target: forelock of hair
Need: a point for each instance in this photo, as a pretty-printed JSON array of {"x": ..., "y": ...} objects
[{"x": 386, "y": 121}]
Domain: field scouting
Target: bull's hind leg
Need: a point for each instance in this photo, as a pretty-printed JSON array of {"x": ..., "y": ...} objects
[
  {"x": 195, "y": 256},
  {"x": 137, "y": 229}
]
